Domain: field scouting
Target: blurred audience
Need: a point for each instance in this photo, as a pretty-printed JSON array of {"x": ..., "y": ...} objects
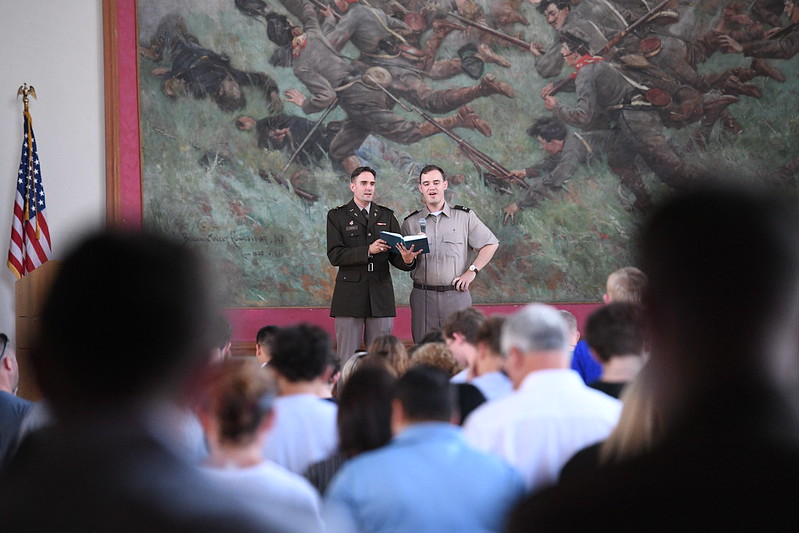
[
  {"x": 327, "y": 388},
  {"x": 108, "y": 460},
  {"x": 636, "y": 432},
  {"x": 723, "y": 309},
  {"x": 616, "y": 337},
  {"x": 489, "y": 364},
  {"x": 305, "y": 424},
  {"x": 222, "y": 332},
  {"x": 626, "y": 284},
  {"x": 574, "y": 330},
  {"x": 551, "y": 414},
  {"x": 460, "y": 333},
  {"x": 427, "y": 479},
  {"x": 263, "y": 343},
  {"x": 436, "y": 354},
  {"x": 237, "y": 414},
  {"x": 393, "y": 351},
  {"x": 12, "y": 408},
  {"x": 364, "y": 420}
]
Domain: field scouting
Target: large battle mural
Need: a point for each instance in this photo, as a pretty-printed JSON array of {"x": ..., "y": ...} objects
[{"x": 559, "y": 123}]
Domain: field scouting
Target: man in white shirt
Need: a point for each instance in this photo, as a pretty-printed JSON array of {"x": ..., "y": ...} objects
[
  {"x": 305, "y": 424},
  {"x": 552, "y": 414}
]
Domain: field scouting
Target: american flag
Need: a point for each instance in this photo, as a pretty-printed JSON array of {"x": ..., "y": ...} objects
[{"x": 30, "y": 236}]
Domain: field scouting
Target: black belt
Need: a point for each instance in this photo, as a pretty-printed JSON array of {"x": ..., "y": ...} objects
[{"x": 437, "y": 288}]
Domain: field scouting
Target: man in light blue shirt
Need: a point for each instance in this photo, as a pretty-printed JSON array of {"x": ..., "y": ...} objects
[{"x": 427, "y": 479}]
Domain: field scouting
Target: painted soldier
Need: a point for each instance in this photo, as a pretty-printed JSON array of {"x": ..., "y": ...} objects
[
  {"x": 781, "y": 44},
  {"x": 606, "y": 98},
  {"x": 596, "y": 20},
  {"x": 201, "y": 72},
  {"x": 333, "y": 80},
  {"x": 378, "y": 37},
  {"x": 565, "y": 151}
]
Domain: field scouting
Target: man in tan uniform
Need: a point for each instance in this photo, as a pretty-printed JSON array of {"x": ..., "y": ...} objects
[{"x": 442, "y": 278}]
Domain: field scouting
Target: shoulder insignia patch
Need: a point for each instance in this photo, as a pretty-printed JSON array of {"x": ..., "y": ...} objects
[
  {"x": 461, "y": 208},
  {"x": 409, "y": 216}
]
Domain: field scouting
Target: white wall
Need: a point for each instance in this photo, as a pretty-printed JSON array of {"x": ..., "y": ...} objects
[{"x": 57, "y": 47}]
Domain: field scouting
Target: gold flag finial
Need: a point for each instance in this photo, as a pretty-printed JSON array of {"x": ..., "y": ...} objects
[{"x": 25, "y": 90}]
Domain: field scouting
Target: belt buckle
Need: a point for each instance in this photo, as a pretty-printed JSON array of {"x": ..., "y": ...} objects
[{"x": 370, "y": 267}]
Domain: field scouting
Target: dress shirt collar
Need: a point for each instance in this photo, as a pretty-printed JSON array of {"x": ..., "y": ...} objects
[
  {"x": 446, "y": 211},
  {"x": 552, "y": 378},
  {"x": 425, "y": 431},
  {"x": 359, "y": 208}
]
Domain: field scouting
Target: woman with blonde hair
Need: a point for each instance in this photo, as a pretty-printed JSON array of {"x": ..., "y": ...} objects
[
  {"x": 636, "y": 432},
  {"x": 436, "y": 354},
  {"x": 391, "y": 349}
]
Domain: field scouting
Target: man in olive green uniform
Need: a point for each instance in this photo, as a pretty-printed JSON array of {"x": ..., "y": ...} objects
[{"x": 363, "y": 298}]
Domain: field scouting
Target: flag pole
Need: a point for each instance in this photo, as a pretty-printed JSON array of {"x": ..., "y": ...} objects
[
  {"x": 25, "y": 91},
  {"x": 29, "y": 246}
]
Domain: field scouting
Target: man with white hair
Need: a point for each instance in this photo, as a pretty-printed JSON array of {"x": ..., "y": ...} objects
[{"x": 551, "y": 414}]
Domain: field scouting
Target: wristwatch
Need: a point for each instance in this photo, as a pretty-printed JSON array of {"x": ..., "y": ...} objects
[{"x": 473, "y": 268}]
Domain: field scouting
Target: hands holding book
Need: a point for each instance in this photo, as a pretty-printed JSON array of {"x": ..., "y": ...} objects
[{"x": 408, "y": 255}]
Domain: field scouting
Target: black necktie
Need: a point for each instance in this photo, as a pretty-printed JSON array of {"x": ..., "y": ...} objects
[{"x": 365, "y": 214}]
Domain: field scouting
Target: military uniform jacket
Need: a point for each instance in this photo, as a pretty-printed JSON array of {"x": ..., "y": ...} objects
[{"x": 363, "y": 284}]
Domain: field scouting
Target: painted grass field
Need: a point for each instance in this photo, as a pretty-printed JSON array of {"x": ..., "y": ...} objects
[{"x": 209, "y": 183}]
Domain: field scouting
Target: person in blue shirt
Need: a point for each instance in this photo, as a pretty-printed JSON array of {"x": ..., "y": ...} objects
[
  {"x": 626, "y": 284},
  {"x": 428, "y": 479}
]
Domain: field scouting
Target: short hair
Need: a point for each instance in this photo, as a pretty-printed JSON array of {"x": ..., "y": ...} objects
[
  {"x": 266, "y": 335},
  {"x": 108, "y": 282},
  {"x": 279, "y": 29},
  {"x": 490, "y": 333},
  {"x": 626, "y": 284},
  {"x": 548, "y": 128},
  {"x": 431, "y": 168},
  {"x": 301, "y": 352},
  {"x": 364, "y": 410},
  {"x": 4, "y": 340},
  {"x": 560, "y": 4},
  {"x": 436, "y": 354},
  {"x": 393, "y": 351},
  {"x": 425, "y": 393},
  {"x": 576, "y": 40},
  {"x": 434, "y": 335},
  {"x": 348, "y": 369},
  {"x": 616, "y": 329},
  {"x": 466, "y": 322},
  {"x": 360, "y": 170},
  {"x": 571, "y": 320},
  {"x": 536, "y": 327},
  {"x": 239, "y": 395},
  {"x": 222, "y": 331}
]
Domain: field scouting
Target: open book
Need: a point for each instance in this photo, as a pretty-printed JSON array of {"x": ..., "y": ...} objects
[{"x": 419, "y": 242}]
